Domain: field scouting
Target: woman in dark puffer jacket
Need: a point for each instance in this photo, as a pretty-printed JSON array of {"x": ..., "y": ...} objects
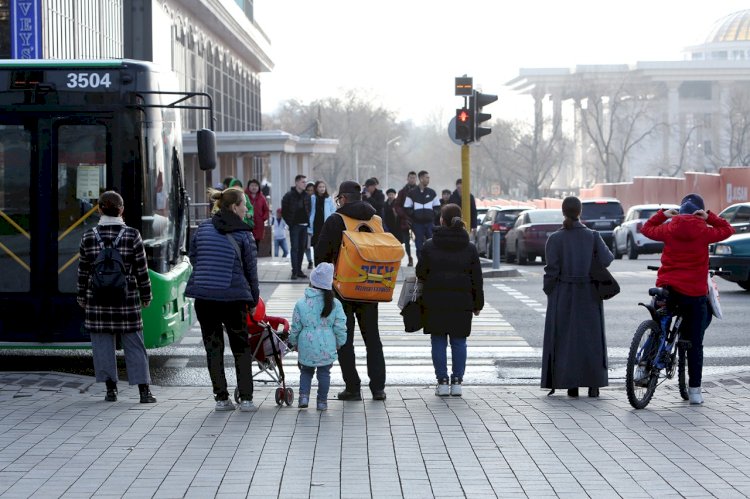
[
  {"x": 452, "y": 276},
  {"x": 224, "y": 283}
]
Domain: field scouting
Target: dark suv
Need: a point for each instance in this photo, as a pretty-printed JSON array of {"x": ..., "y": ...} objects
[{"x": 602, "y": 215}]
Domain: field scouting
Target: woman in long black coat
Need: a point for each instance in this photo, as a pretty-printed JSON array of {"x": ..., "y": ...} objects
[
  {"x": 575, "y": 347},
  {"x": 452, "y": 291}
]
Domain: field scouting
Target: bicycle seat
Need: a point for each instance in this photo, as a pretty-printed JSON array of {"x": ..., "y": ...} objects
[{"x": 660, "y": 292}]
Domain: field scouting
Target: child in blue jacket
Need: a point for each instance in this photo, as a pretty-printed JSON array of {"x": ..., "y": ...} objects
[{"x": 318, "y": 331}]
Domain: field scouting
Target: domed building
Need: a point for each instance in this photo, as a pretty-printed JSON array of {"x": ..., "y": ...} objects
[{"x": 652, "y": 117}]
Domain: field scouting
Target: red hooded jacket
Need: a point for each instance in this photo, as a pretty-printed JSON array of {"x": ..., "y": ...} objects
[{"x": 684, "y": 261}]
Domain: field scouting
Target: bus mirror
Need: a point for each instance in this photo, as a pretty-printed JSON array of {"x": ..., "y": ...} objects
[{"x": 206, "y": 140}]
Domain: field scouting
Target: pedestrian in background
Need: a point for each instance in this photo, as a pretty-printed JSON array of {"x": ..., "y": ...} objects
[
  {"x": 249, "y": 217},
  {"x": 260, "y": 210},
  {"x": 390, "y": 217},
  {"x": 318, "y": 331},
  {"x": 456, "y": 198},
  {"x": 224, "y": 283},
  {"x": 374, "y": 196},
  {"x": 574, "y": 353},
  {"x": 421, "y": 203},
  {"x": 403, "y": 217},
  {"x": 104, "y": 321},
  {"x": 295, "y": 208},
  {"x": 279, "y": 227},
  {"x": 444, "y": 197},
  {"x": 453, "y": 290},
  {"x": 321, "y": 207},
  {"x": 310, "y": 190}
]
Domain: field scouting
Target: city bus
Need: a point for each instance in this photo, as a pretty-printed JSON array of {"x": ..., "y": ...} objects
[{"x": 70, "y": 130}]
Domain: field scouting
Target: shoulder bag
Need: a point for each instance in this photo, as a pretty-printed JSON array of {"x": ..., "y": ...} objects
[
  {"x": 412, "y": 311},
  {"x": 606, "y": 285}
]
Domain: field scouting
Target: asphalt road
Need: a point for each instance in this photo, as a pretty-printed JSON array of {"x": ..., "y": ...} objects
[{"x": 505, "y": 347}]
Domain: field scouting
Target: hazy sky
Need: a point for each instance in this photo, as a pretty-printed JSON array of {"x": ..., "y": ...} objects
[{"x": 406, "y": 53}]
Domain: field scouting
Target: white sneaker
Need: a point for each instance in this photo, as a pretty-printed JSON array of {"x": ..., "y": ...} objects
[
  {"x": 456, "y": 390},
  {"x": 248, "y": 406},
  {"x": 443, "y": 389},
  {"x": 224, "y": 405},
  {"x": 695, "y": 395}
]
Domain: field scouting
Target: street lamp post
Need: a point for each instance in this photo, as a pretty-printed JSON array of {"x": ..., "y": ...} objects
[{"x": 387, "y": 145}]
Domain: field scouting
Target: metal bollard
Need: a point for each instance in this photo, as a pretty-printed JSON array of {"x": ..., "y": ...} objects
[{"x": 496, "y": 238}]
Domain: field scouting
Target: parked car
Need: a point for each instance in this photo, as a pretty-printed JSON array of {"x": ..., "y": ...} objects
[
  {"x": 738, "y": 215},
  {"x": 481, "y": 212},
  {"x": 602, "y": 215},
  {"x": 732, "y": 254},
  {"x": 627, "y": 238},
  {"x": 526, "y": 240},
  {"x": 497, "y": 219}
]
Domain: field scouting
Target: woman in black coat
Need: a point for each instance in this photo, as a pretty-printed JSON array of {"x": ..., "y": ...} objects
[{"x": 452, "y": 290}]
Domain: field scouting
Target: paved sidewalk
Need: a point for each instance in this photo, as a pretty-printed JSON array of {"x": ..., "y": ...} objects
[{"x": 58, "y": 438}]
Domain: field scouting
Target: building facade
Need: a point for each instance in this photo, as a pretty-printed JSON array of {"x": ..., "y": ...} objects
[{"x": 651, "y": 118}]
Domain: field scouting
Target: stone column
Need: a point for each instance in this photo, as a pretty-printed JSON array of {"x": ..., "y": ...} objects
[
  {"x": 277, "y": 182},
  {"x": 673, "y": 119}
]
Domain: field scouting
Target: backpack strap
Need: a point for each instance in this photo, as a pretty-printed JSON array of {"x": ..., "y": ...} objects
[
  {"x": 375, "y": 224},
  {"x": 114, "y": 243},
  {"x": 236, "y": 248}
]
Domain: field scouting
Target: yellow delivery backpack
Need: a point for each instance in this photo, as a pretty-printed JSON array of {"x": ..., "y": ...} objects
[{"x": 368, "y": 261}]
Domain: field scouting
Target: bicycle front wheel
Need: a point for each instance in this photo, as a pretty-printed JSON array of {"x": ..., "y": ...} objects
[{"x": 641, "y": 376}]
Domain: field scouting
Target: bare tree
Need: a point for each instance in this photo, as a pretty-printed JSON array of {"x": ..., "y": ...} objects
[
  {"x": 739, "y": 126},
  {"x": 616, "y": 119}
]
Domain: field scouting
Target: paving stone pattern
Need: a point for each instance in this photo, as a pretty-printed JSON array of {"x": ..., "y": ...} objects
[{"x": 496, "y": 441}]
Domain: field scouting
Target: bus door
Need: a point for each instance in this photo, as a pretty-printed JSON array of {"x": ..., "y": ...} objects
[{"x": 51, "y": 174}]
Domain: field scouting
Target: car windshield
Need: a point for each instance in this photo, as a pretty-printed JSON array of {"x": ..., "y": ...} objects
[
  {"x": 508, "y": 216},
  {"x": 649, "y": 213},
  {"x": 594, "y": 211},
  {"x": 546, "y": 217}
]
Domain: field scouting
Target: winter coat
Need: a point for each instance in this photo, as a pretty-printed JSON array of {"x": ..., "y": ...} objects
[
  {"x": 456, "y": 199},
  {"x": 453, "y": 286},
  {"x": 317, "y": 338},
  {"x": 260, "y": 214},
  {"x": 218, "y": 274},
  {"x": 328, "y": 209},
  {"x": 329, "y": 242},
  {"x": 684, "y": 260},
  {"x": 421, "y": 205},
  {"x": 403, "y": 215},
  {"x": 125, "y": 318},
  {"x": 295, "y": 207},
  {"x": 279, "y": 228},
  {"x": 377, "y": 200},
  {"x": 390, "y": 219},
  {"x": 574, "y": 352}
]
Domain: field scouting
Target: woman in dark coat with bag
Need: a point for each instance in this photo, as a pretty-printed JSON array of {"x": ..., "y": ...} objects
[
  {"x": 450, "y": 270},
  {"x": 575, "y": 346}
]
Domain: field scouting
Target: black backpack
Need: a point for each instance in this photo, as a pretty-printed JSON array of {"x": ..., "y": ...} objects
[{"x": 109, "y": 280}]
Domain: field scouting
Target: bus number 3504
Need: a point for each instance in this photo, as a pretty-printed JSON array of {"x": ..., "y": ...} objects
[{"x": 88, "y": 80}]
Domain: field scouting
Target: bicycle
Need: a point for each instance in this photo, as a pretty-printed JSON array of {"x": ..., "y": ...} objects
[{"x": 656, "y": 347}]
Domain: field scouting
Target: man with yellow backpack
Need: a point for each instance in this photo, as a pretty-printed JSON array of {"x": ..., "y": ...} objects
[{"x": 366, "y": 261}]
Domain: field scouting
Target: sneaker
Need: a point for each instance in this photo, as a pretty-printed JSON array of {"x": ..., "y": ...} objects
[
  {"x": 443, "y": 389},
  {"x": 322, "y": 405},
  {"x": 379, "y": 395},
  {"x": 301, "y": 275},
  {"x": 224, "y": 405},
  {"x": 248, "y": 406},
  {"x": 456, "y": 390},
  {"x": 294, "y": 276},
  {"x": 350, "y": 395},
  {"x": 695, "y": 395},
  {"x": 303, "y": 401}
]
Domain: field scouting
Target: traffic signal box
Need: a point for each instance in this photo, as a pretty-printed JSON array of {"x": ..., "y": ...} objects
[
  {"x": 464, "y": 125},
  {"x": 476, "y": 103}
]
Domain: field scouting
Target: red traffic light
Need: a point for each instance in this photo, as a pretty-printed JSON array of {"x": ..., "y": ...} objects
[{"x": 463, "y": 116}]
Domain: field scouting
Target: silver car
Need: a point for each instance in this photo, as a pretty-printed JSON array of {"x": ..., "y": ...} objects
[{"x": 627, "y": 238}]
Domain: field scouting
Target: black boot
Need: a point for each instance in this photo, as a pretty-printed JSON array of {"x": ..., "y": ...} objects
[
  {"x": 146, "y": 397},
  {"x": 573, "y": 392},
  {"x": 111, "y": 395}
]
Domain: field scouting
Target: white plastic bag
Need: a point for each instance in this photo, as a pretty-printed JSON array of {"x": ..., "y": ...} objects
[
  {"x": 410, "y": 291},
  {"x": 713, "y": 298}
]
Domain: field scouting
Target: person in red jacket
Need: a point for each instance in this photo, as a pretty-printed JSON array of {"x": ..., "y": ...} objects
[
  {"x": 260, "y": 210},
  {"x": 684, "y": 268}
]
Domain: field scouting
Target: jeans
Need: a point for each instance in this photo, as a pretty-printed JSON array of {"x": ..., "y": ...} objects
[
  {"x": 213, "y": 316},
  {"x": 693, "y": 310},
  {"x": 298, "y": 241},
  {"x": 280, "y": 243},
  {"x": 422, "y": 232},
  {"x": 324, "y": 380},
  {"x": 440, "y": 356},
  {"x": 367, "y": 318}
]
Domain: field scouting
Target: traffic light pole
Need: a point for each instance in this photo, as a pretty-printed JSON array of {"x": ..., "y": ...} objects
[{"x": 466, "y": 186}]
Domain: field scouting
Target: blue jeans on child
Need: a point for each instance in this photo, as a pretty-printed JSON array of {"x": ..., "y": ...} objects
[
  {"x": 324, "y": 380},
  {"x": 280, "y": 243},
  {"x": 440, "y": 356}
]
